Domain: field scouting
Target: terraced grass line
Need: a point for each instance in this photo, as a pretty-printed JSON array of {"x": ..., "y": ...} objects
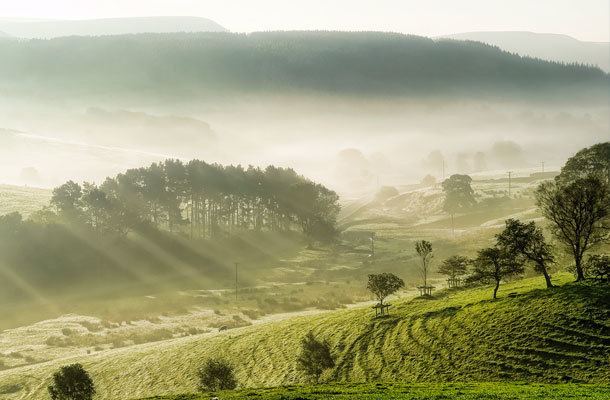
[
  {"x": 457, "y": 391},
  {"x": 459, "y": 336}
]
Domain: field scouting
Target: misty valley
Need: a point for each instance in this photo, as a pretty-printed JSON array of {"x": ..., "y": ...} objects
[{"x": 188, "y": 212}]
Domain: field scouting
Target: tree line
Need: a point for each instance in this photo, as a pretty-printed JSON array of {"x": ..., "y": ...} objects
[{"x": 200, "y": 200}]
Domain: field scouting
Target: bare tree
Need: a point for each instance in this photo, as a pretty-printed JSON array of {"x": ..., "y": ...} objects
[{"x": 424, "y": 250}]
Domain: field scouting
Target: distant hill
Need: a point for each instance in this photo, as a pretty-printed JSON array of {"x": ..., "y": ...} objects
[
  {"x": 45, "y": 29},
  {"x": 4, "y": 35},
  {"x": 197, "y": 65},
  {"x": 546, "y": 46}
]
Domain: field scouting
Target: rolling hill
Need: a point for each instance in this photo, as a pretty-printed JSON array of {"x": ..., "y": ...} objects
[
  {"x": 46, "y": 29},
  {"x": 529, "y": 334},
  {"x": 546, "y": 46},
  {"x": 183, "y": 66},
  {"x": 23, "y": 199}
]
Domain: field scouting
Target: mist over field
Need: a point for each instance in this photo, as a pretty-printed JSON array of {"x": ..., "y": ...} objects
[{"x": 357, "y": 207}]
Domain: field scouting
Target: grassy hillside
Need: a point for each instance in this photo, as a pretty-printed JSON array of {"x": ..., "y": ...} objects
[
  {"x": 22, "y": 199},
  {"x": 206, "y": 65},
  {"x": 422, "y": 391},
  {"x": 536, "y": 335}
]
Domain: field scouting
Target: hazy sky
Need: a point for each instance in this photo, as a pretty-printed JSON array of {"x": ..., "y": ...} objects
[{"x": 583, "y": 19}]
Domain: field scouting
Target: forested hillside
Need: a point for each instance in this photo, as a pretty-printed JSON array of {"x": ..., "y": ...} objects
[{"x": 205, "y": 65}]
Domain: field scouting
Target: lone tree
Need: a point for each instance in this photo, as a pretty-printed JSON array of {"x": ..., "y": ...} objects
[
  {"x": 315, "y": 357},
  {"x": 577, "y": 211},
  {"x": 494, "y": 264},
  {"x": 71, "y": 382},
  {"x": 454, "y": 267},
  {"x": 528, "y": 241},
  {"x": 383, "y": 285},
  {"x": 458, "y": 195},
  {"x": 424, "y": 250},
  {"x": 217, "y": 375}
]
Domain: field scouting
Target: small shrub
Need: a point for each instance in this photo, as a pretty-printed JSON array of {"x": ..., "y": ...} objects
[
  {"x": 71, "y": 382},
  {"x": 10, "y": 389},
  {"x": 598, "y": 267},
  {"x": 66, "y": 331},
  {"x": 91, "y": 326},
  {"x": 57, "y": 341},
  {"x": 217, "y": 375},
  {"x": 315, "y": 357}
]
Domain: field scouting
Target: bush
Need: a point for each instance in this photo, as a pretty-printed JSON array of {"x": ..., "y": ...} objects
[
  {"x": 598, "y": 267},
  {"x": 315, "y": 357},
  {"x": 217, "y": 375},
  {"x": 71, "y": 382}
]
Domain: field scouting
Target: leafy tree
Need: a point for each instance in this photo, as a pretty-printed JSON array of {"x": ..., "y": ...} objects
[
  {"x": 454, "y": 266},
  {"x": 458, "y": 195},
  {"x": 384, "y": 284},
  {"x": 71, "y": 382},
  {"x": 217, "y": 375},
  {"x": 67, "y": 201},
  {"x": 577, "y": 211},
  {"x": 592, "y": 160},
  {"x": 428, "y": 180},
  {"x": 315, "y": 356},
  {"x": 527, "y": 240},
  {"x": 598, "y": 267},
  {"x": 424, "y": 250},
  {"x": 493, "y": 264}
]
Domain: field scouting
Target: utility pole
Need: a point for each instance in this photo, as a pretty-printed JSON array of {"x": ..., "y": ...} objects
[
  {"x": 372, "y": 244},
  {"x": 542, "y": 167},
  {"x": 236, "y": 264},
  {"x": 509, "y": 176}
]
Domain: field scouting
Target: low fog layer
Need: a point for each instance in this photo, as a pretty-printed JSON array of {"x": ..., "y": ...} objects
[{"x": 352, "y": 145}]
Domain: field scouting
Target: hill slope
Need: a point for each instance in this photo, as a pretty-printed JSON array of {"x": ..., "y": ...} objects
[
  {"x": 45, "y": 29},
  {"x": 539, "y": 335},
  {"x": 546, "y": 46},
  {"x": 22, "y": 199},
  {"x": 208, "y": 65}
]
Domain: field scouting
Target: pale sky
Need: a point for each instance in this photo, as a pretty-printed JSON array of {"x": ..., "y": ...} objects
[{"x": 582, "y": 19}]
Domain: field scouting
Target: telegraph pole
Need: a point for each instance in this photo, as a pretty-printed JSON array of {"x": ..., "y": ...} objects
[
  {"x": 509, "y": 176},
  {"x": 236, "y": 264},
  {"x": 542, "y": 167}
]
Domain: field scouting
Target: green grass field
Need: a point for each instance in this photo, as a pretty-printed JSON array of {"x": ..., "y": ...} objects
[
  {"x": 422, "y": 391},
  {"x": 23, "y": 199},
  {"x": 535, "y": 335}
]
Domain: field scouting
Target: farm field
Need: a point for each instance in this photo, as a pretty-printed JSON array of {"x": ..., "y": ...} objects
[{"x": 530, "y": 334}]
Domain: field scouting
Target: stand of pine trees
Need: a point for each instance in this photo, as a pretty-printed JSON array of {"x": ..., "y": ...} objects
[{"x": 201, "y": 200}]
